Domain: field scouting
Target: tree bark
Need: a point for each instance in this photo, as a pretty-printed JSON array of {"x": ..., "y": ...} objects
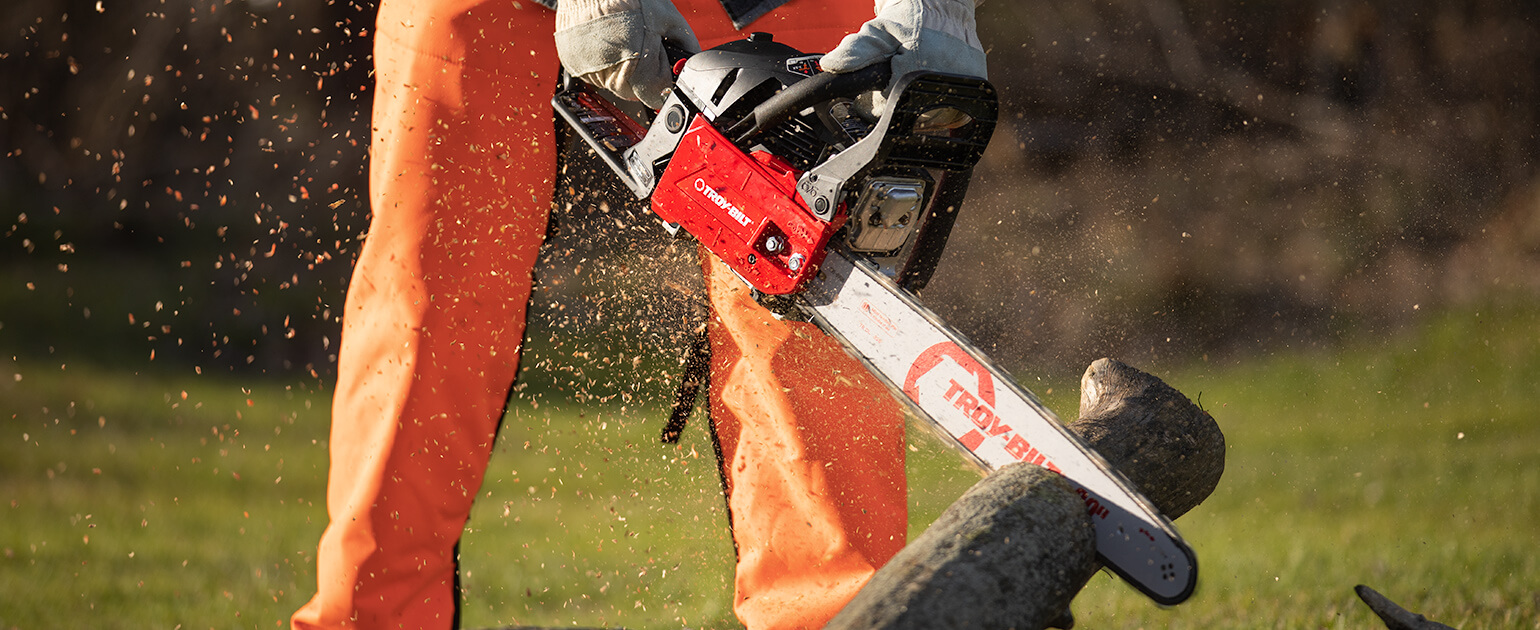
[
  {"x": 1018, "y": 546},
  {"x": 1010, "y": 553}
]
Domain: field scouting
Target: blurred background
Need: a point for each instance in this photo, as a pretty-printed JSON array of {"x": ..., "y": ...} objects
[
  {"x": 1325, "y": 212},
  {"x": 1196, "y": 178},
  {"x": 187, "y": 177}
]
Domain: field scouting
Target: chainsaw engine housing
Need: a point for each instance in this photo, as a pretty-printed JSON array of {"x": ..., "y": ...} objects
[{"x": 768, "y": 161}]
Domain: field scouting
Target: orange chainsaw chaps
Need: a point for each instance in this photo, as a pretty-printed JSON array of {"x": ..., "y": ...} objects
[
  {"x": 461, "y": 178},
  {"x": 460, "y": 183},
  {"x": 812, "y": 444},
  {"x": 813, "y": 448}
]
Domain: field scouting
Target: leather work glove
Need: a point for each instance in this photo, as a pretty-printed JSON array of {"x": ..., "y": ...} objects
[
  {"x": 935, "y": 35},
  {"x": 618, "y": 45}
]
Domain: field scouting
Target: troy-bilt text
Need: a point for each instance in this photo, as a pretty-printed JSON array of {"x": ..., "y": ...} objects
[
  {"x": 987, "y": 421},
  {"x": 721, "y": 202}
]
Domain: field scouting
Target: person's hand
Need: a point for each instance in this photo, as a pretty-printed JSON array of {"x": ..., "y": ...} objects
[
  {"x": 932, "y": 35},
  {"x": 618, "y": 45}
]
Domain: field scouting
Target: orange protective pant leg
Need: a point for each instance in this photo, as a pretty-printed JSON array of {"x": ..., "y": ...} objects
[
  {"x": 813, "y": 447},
  {"x": 812, "y": 443},
  {"x": 461, "y": 162}
]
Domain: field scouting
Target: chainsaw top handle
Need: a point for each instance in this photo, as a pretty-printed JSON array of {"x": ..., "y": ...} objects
[{"x": 798, "y": 96}]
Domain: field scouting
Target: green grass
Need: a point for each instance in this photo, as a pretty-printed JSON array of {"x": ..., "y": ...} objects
[
  {"x": 127, "y": 505},
  {"x": 586, "y": 519},
  {"x": 1411, "y": 464}
]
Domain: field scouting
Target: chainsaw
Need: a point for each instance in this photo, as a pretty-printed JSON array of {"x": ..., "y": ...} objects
[{"x": 836, "y": 214}]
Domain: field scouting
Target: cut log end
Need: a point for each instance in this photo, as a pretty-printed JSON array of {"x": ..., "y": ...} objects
[{"x": 1171, "y": 449}]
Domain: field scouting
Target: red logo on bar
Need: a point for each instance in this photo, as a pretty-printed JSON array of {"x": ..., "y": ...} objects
[{"x": 977, "y": 406}]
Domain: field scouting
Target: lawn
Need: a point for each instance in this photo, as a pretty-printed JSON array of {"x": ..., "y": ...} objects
[
  {"x": 136, "y": 501},
  {"x": 1410, "y": 463}
]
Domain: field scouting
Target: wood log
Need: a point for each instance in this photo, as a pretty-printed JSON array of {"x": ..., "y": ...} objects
[
  {"x": 1018, "y": 546},
  {"x": 1011, "y": 552}
]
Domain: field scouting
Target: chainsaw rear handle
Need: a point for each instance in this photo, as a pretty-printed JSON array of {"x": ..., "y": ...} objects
[{"x": 816, "y": 89}]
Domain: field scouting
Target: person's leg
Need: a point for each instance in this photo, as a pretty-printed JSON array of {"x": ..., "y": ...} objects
[
  {"x": 812, "y": 447},
  {"x": 812, "y": 443},
  {"x": 460, "y": 186}
]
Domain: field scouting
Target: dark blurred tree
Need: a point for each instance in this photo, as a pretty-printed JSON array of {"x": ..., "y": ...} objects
[{"x": 182, "y": 177}]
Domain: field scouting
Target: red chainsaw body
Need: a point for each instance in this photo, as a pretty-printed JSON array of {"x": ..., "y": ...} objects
[{"x": 745, "y": 209}]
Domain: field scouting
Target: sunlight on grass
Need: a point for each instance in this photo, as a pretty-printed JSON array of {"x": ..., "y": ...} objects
[
  {"x": 586, "y": 518},
  {"x": 1412, "y": 467},
  {"x": 1409, "y": 464},
  {"x": 131, "y": 506}
]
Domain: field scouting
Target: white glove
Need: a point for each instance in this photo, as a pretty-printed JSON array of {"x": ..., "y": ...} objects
[
  {"x": 934, "y": 35},
  {"x": 618, "y": 45}
]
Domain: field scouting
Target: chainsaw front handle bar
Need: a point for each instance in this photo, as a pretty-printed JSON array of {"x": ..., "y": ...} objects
[{"x": 816, "y": 89}]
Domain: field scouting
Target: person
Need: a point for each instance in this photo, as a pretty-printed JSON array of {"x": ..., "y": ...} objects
[{"x": 462, "y": 171}]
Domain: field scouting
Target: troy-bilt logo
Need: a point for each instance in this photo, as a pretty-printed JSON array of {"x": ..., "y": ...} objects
[
  {"x": 976, "y": 403},
  {"x": 721, "y": 202}
]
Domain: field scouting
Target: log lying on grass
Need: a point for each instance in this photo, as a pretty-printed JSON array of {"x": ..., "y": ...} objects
[
  {"x": 1018, "y": 546},
  {"x": 1011, "y": 552}
]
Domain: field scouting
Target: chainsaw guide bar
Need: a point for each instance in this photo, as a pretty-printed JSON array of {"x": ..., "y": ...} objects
[
  {"x": 834, "y": 217},
  {"x": 984, "y": 412}
]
